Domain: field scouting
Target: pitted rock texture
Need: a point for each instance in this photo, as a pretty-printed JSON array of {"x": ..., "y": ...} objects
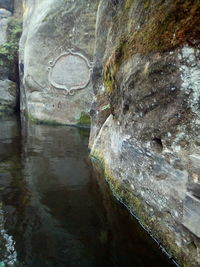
[
  {"x": 51, "y": 28},
  {"x": 145, "y": 117}
]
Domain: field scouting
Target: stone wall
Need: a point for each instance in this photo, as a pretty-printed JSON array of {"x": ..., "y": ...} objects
[
  {"x": 56, "y": 51},
  {"x": 146, "y": 115}
]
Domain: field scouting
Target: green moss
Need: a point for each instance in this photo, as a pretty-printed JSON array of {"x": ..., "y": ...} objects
[
  {"x": 109, "y": 83},
  {"x": 166, "y": 28},
  {"x": 128, "y": 4},
  {"x": 112, "y": 66},
  {"x": 197, "y": 143},
  {"x": 84, "y": 119},
  {"x": 147, "y": 3}
]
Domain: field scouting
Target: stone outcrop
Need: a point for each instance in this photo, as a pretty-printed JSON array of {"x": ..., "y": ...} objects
[
  {"x": 10, "y": 31},
  {"x": 56, "y": 60},
  {"x": 146, "y": 115},
  {"x": 7, "y": 4}
]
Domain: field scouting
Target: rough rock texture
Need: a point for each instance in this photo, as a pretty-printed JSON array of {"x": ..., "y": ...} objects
[
  {"x": 50, "y": 78},
  {"x": 10, "y": 31},
  {"x": 146, "y": 115},
  {"x": 8, "y": 95}
]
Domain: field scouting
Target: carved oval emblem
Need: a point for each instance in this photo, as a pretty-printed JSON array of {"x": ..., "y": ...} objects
[{"x": 70, "y": 71}]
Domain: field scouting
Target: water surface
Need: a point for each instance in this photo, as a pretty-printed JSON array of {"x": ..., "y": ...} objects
[{"x": 55, "y": 210}]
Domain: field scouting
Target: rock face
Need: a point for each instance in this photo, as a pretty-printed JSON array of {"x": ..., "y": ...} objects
[
  {"x": 146, "y": 115},
  {"x": 55, "y": 60},
  {"x": 7, "y": 4},
  {"x": 10, "y": 32}
]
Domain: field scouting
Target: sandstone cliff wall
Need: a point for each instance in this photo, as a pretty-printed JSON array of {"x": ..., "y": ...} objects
[
  {"x": 146, "y": 115},
  {"x": 56, "y": 60}
]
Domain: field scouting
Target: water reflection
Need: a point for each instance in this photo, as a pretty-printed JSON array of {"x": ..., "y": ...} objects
[
  {"x": 10, "y": 169},
  {"x": 56, "y": 211}
]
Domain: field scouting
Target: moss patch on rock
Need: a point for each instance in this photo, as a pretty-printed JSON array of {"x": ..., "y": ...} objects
[
  {"x": 84, "y": 119},
  {"x": 45, "y": 122},
  {"x": 154, "y": 224},
  {"x": 166, "y": 26}
]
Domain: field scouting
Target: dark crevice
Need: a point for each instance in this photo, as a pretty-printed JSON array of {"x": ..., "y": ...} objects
[{"x": 158, "y": 143}]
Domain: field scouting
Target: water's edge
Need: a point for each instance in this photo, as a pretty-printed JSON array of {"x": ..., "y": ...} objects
[{"x": 55, "y": 209}]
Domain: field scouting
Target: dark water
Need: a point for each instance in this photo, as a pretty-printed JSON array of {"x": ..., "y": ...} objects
[{"x": 54, "y": 209}]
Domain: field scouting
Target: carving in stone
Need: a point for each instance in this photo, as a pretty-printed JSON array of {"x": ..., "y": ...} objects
[{"x": 70, "y": 71}]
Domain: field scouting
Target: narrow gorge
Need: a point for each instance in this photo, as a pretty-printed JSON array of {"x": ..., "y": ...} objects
[{"x": 128, "y": 70}]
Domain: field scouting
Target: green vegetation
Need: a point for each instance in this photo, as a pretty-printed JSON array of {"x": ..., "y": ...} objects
[
  {"x": 44, "y": 122},
  {"x": 167, "y": 26},
  {"x": 128, "y": 4},
  {"x": 84, "y": 119},
  {"x": 9, "y": 50}
]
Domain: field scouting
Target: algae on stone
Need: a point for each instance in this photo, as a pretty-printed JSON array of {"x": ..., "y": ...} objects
[{"x": 84, "y": 119}]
